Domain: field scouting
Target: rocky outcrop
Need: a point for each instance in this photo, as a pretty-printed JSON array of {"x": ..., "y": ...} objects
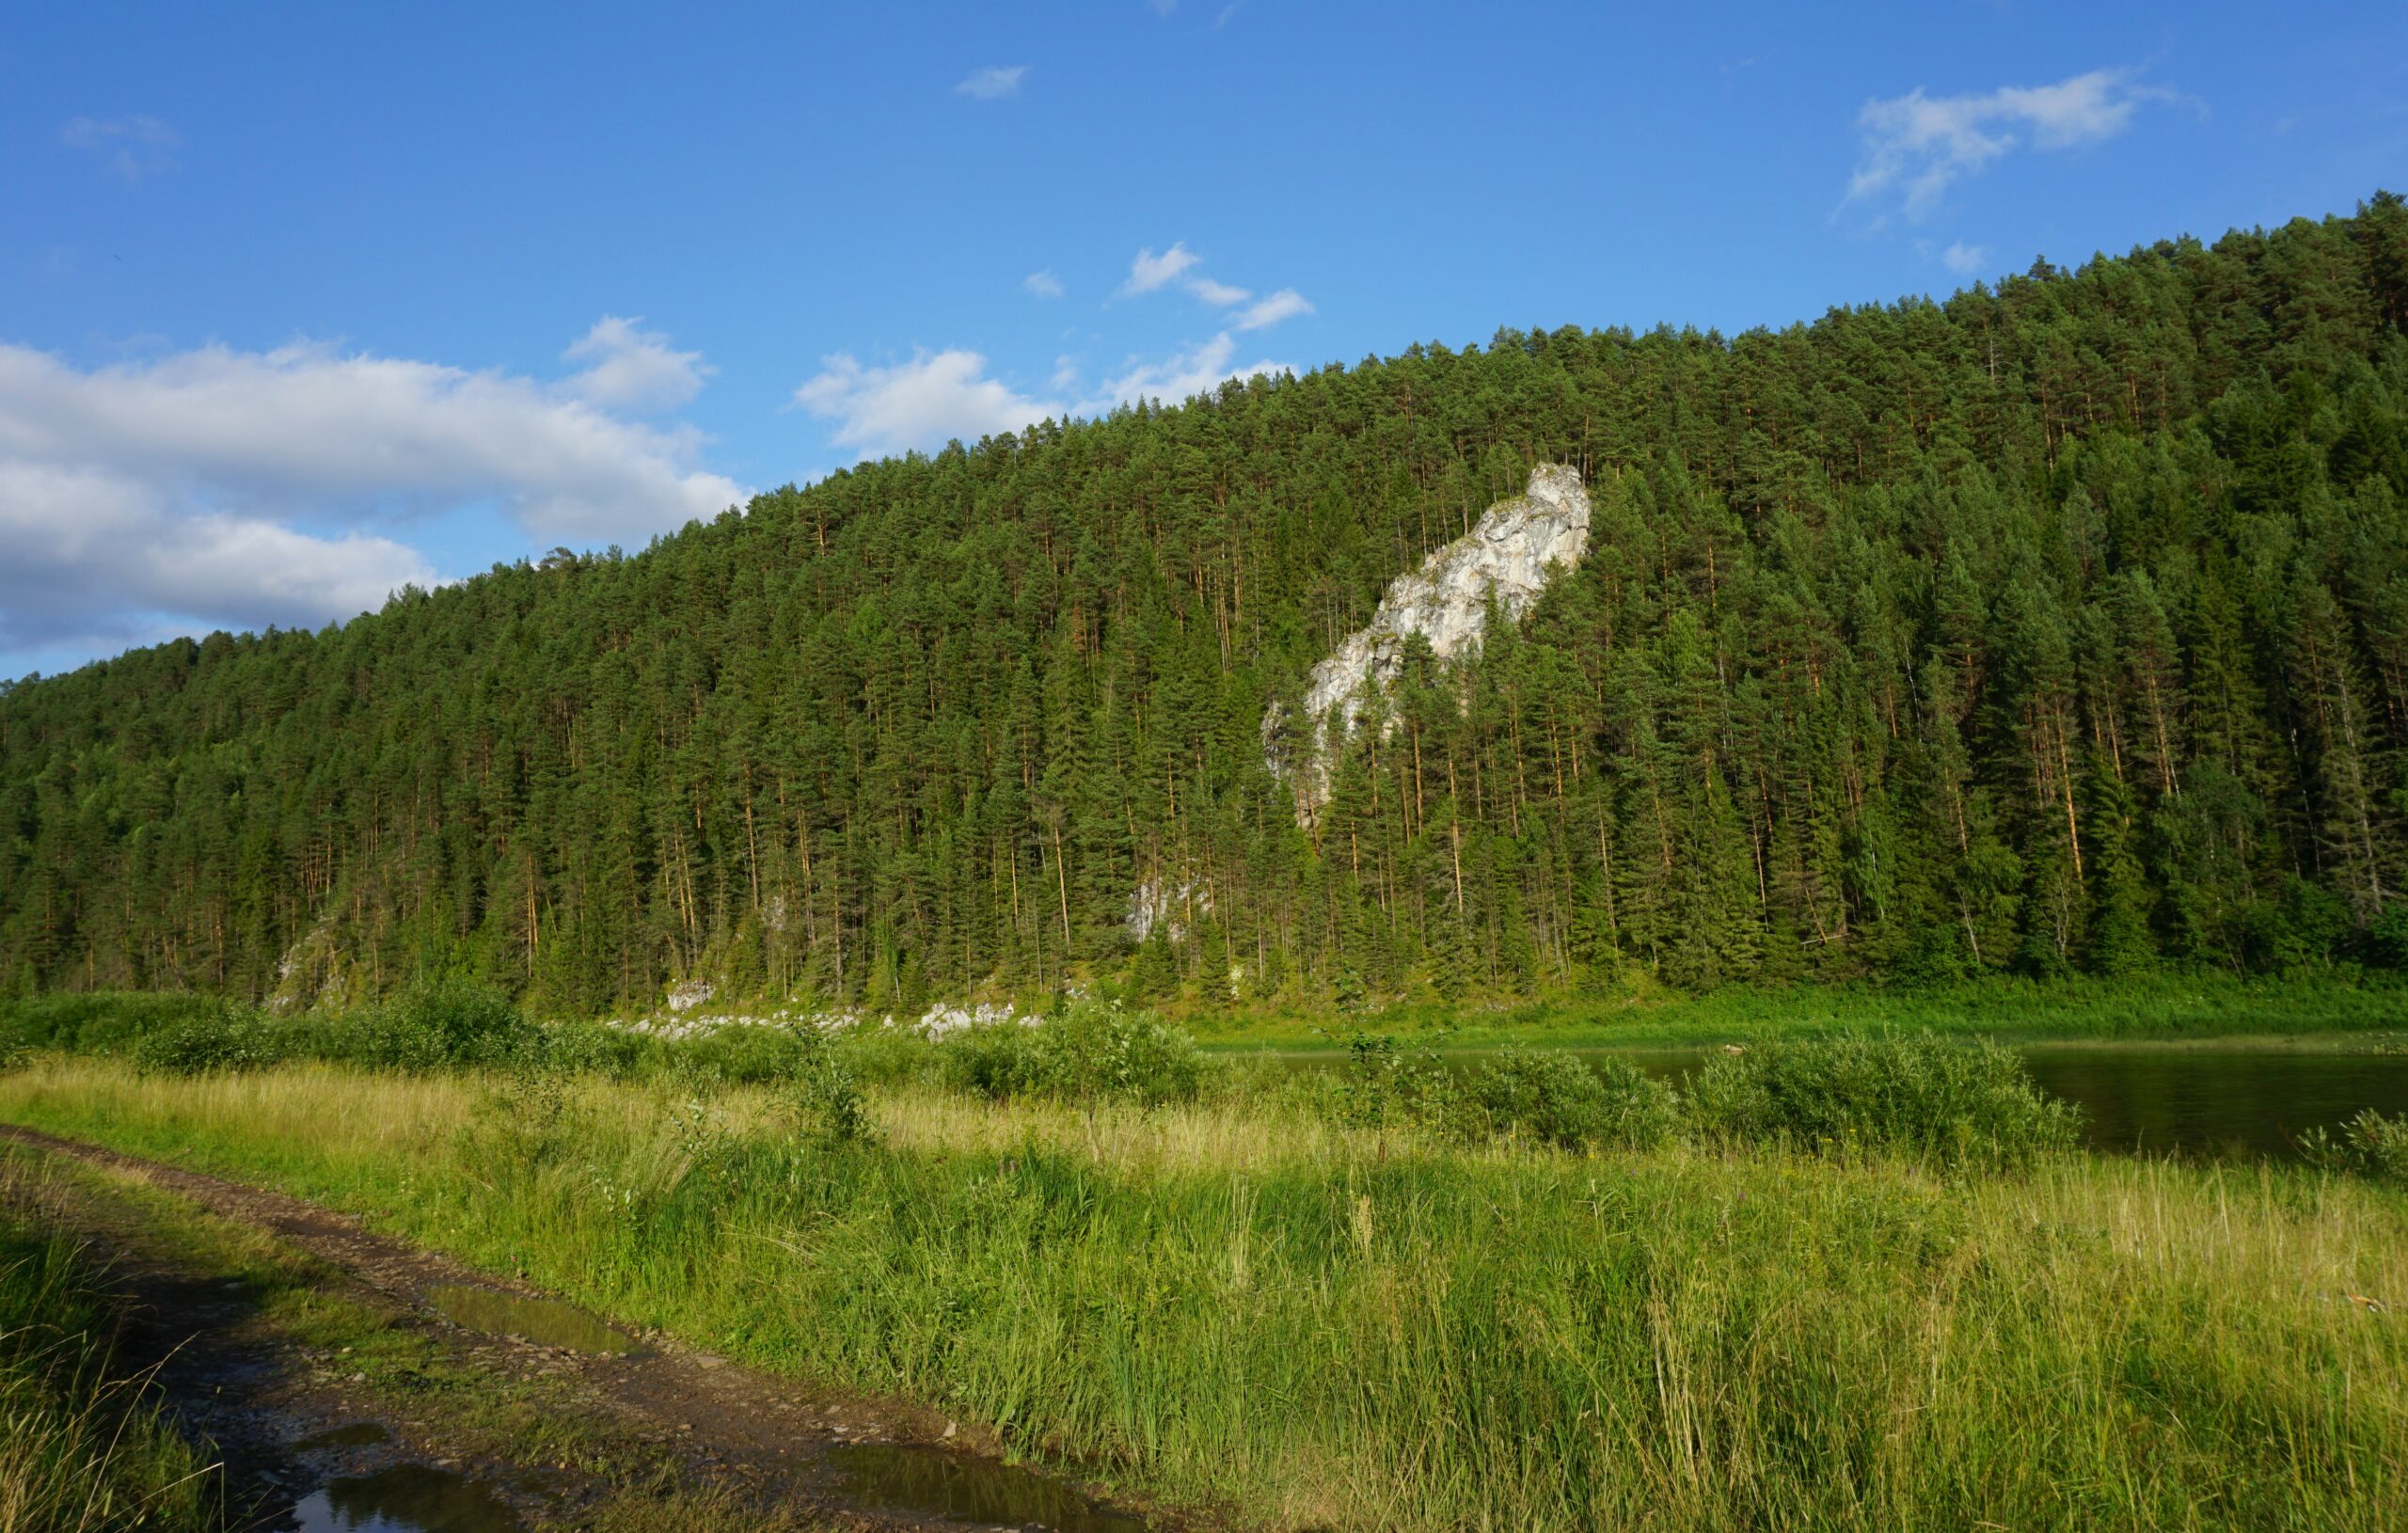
[
  {"x": 1158, "y": 902},
  {"x": 1509, "y": 555}
]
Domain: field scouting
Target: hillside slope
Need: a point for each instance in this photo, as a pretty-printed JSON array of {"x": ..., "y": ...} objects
[{"x": 2060, "y": 625}]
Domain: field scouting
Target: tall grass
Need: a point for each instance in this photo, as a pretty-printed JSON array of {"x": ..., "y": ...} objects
[
  {"x": 82, "y": 1446},
  {"x": 1323, "y": 1325}
]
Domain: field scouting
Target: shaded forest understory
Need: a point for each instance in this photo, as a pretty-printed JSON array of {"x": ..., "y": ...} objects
[{"x": 2057, "y": 627}]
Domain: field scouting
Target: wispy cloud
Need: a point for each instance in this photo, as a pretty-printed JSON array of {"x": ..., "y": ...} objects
[
  {"x": 1914, "y": 147},
  {"x": 133, "y": 148},
  {"x": 1180, "y": 376},
  {"x": 938, "y": 396},
  {"x": 630, "y": 368},
  {"x": 1149, "y": 270},
  {"x": 920, "y": 403},
  {"x": 1964, "y": 259},
  {"x": 941, "y": 396},
  {"x": 993, "y": 83},
  {"x": 1285, "y": 304}
]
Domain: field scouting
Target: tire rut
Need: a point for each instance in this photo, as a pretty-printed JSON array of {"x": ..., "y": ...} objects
[{"x": 778, "y": 1443}]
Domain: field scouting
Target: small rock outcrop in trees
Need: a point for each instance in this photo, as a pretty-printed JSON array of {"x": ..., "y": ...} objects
[{"x": 1508, "y": 556}]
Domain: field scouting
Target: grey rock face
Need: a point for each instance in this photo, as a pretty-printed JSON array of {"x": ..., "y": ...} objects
[
  {"x": 1509, "y": 553},
  {"x": 1158, "y": 902}
]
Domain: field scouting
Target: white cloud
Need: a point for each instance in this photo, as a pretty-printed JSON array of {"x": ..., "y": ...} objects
[
  {"x": 941, "y": 396},
  {"x": 133, "y": 148},
  {"x": 1042, "y": 285},
  {"x": 920, "y": 403},
  {"x": 1180, "y": 376},
  {"x": 1916, "y": 147},
  {"x": 1220, "y": 294},
  {"x": 307, "y": 426},
  {"x": 93, "y": 559},
  {"x": 628, "y": 368},
  {"x": 1964, "y": 259},
  {"x": 993, "y": 83},
  {"x": 219, "y": 487},
  {"x": 1285, "y": 304},
  {"x": 1151, "y": 271}
]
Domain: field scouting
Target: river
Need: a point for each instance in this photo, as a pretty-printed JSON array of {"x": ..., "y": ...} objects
[{"x": 2239, "y": 1098}]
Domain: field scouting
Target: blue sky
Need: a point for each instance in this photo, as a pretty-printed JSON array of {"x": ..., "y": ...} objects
[{"x": 299, "y": 303}]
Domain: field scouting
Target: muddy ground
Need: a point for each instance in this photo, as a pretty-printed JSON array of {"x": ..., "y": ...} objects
[{"x": 532, "y": 1415}]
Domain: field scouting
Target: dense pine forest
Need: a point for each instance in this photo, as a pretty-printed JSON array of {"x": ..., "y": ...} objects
[{"x": 2057, "y": 626}]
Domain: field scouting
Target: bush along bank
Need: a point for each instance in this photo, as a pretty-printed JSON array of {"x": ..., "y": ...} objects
[
  {"x": 1919, "y": 1096},
  {"x": 1935, "y": 1098}
]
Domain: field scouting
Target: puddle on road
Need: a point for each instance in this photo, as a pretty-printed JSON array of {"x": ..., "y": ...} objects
[
  {"x": 410, "y": 1498},
  {"x": 355, "y": 1434},
  {"x": 547, "y": 1322},
  {"x": 930, "y": 1483}
]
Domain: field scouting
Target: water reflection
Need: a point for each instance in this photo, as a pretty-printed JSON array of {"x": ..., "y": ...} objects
[
  {"x": 2204, "y": 1100},
  {"x": 2216, "y": 1101},
  {"x": 410, "y": 1498},
  {"x": 546, "y": 1322},
  {"x": 925, "y": 1482}
]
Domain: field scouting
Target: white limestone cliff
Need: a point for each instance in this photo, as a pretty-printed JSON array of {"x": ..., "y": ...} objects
[
  {"x": 1173, "y": 907},
  {"x": 1509, "y": 553}
]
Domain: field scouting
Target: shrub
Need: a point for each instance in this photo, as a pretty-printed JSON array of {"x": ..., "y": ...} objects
[
  {"x": 2371, "y": 1145},
  {"x": 440, "y": 1022},
  {"x": 1919, "y": 1096},
  {"x": 754, "y": 1053},
  {"x": 1093, "y": 1049},
  {"x": 102, "y": 1022},
  {"x": 825, "y": 1095},
  {"x": 1555, "y": 1097},
  {"x": 2297, "y": 934},
  {"x": 223, "y": 1038},
  {"x": 885, "y": 1055},
  {"x": 591, "y": 1048},
  {"x": 2386, "y": 939},
  {"x": 994, "y": 1060},
  {"x": 1386, "y": 1084}
]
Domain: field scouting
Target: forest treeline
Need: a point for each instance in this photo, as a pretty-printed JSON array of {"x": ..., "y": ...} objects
[{"x": 2059, "y": 625}]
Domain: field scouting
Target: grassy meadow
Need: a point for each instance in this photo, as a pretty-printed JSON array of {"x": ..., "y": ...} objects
[{"x": 1860, "y": 1284}]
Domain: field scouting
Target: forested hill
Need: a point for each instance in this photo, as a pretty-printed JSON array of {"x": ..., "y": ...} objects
[{"x": 2059, "y": 625}]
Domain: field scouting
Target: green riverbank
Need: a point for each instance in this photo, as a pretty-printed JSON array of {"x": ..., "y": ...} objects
[
  {"x": 1277, "y": 1320},
  {"x": 2163, "y": 1008}
]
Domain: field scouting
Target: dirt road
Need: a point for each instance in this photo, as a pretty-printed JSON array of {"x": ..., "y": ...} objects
[{"x": 645, "y": 1417}]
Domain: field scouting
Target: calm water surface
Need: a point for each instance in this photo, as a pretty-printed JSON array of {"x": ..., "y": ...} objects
[
  {"x": 546, "y": 1322},
  {"x": 925, "y": 1482},
  {"x": 407, "y": 1498},
  {"x": 2238, "y": 1100},
  {"x": 2197, "y": 1101},
  {"x": 2216, "y": 1101}
]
